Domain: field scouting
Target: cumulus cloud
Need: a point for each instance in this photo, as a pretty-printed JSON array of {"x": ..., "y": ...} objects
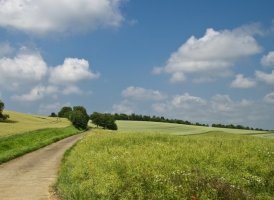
[
  {"x": 187, "y": 101},
  {"x": 242, "y": 83},
  {"x": 268, "y": 60},
  {"x": 139, "y": 93},
  {"x": 44, "y": 16},
  {"x": 46, "y": 109},
  {"x": 269, "y": 98},
  {"x": 36, "y": 93},
  {"x": 71, "y": 71},
  {"x": 265, "y": 77},
  {"x": 211, "y": 54},
  {"x": 72, "y": 89},
  {"x": 125, "y": 107},
  {"x": 223, "y": 104},
  {"x": 26, "y": 66},
  {"x": 217, "y": 109}
]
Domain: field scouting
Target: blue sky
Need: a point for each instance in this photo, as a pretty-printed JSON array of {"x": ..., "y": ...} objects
[{"x": 206, "y": 61}]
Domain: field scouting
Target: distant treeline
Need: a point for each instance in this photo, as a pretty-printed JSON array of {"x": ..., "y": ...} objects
[
  {"x": 136, "y": 117},
  {"x": 237, "y": 127}
]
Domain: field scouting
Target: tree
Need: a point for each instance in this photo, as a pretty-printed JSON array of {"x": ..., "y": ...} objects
[
  {"x": 82, "y": 110},
  {"x": 53, "y": 114},
  {"x": 79, "y": 119},
  {"x": 65, "y": 112},
  {"x": 107, "y": 121},
  {"x": 2, "y": 106},
  {"x": 2, "y": 116}
]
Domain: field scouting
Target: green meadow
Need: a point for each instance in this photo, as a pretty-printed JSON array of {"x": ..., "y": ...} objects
[
  {"x": 147, "y": 160},
  {"x": 23, "y": 133},
  {"x": 21, "y": 123},
  {"x": 19, "y": 144}
]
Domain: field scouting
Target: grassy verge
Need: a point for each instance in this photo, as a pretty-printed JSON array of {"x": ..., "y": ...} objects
[
  {"x": 158, "y": 166},
  {"x": 17, "y": 145}
]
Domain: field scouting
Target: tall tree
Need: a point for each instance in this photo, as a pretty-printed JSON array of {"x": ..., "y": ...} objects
[{"x": 65, "y": 112}]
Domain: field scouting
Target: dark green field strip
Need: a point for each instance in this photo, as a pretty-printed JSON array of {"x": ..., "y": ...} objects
[{"x": 20, "y": 144}]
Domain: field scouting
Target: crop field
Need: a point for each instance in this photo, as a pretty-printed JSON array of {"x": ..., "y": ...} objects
[
  {"x": 144, "y": 164},
  {"x": 21, "y": 123},
  {"x": 179, "y": 129}
]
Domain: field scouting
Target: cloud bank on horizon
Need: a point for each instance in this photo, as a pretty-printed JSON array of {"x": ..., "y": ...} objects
[{"x": 224, "y": 65}]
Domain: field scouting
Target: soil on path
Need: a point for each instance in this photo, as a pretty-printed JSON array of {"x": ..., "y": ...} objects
[{"x": 30, "y": 176}]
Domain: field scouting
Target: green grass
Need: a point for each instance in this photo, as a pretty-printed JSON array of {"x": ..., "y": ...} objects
[
  {"x": 214, "y": 165},
  {"x": 17, "y": 145},
  {"x": 21, "y": 123},
  {"x": 179, "y": 129}
]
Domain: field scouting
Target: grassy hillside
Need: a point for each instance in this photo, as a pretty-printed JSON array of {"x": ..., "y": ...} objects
[
  {"x": 135, "y": 165},
  {"x": 21, "y": 122},
  {"x": 19, "y": 144},
  {"x": 179, "y": 129}
]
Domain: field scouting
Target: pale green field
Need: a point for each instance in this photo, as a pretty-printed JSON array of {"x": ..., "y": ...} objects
[
  {"x": 21, "y": 122},
  {"x": 179, "y": 129}
]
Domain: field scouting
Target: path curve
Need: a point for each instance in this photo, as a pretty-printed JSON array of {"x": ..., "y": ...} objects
[{"x": 30, "y": 176}]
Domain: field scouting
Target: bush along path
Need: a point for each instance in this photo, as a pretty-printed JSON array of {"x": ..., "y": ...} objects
[{"x": 30, "y": 176}]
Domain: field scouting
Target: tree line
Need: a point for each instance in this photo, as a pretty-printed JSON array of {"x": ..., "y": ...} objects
[
  {"x": 79, "y": 118},
  {"x": 232, "y": 126},
  {"x": 136, "y": 117}
]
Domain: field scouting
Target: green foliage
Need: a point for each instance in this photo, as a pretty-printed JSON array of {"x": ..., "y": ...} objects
[
  {"x": 105, "y": 120},
  {"x": 65, "y": 112},
  {"x": 53, "y": 115},
  {"x": 158, "y": 166},
  {"x": 17, "y": 145},
  {"x": 2, "y": 106},
  {"x": 3, "y": 117},
  {"x": 79, "y": 119},
  {"x": 78, "y": 116}
]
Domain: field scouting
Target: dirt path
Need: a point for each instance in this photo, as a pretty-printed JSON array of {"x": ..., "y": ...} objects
[{"x": 29, "y": 177}]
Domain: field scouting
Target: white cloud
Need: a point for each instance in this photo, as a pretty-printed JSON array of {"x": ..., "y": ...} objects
[
  {"x": 224, "y": 105},
  {"x": 25, "y": 67},
  {"x": 213, "y": 53},
  {"x": 5, "y": 49},
  {"x": 177, "y": 77},
  {"x": 46, "y": 109},
  {"x": 269, "y": 98},
  {"x": 72, "y": 71},
  {"x": 124, "y": 107},
  {"x": 268, "y": 60},
  {"x": 72, "y": 89},
  {"x": 217, "y": 109},
  {"x": 139, "y": 93},
  {"x": 37, "y": 93},
  {"x": 267, "y": 78},
  {"x": 242, "y": 82},
  {"x": 46, "y": 16},
  {"x": 187, "y": 101}
]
